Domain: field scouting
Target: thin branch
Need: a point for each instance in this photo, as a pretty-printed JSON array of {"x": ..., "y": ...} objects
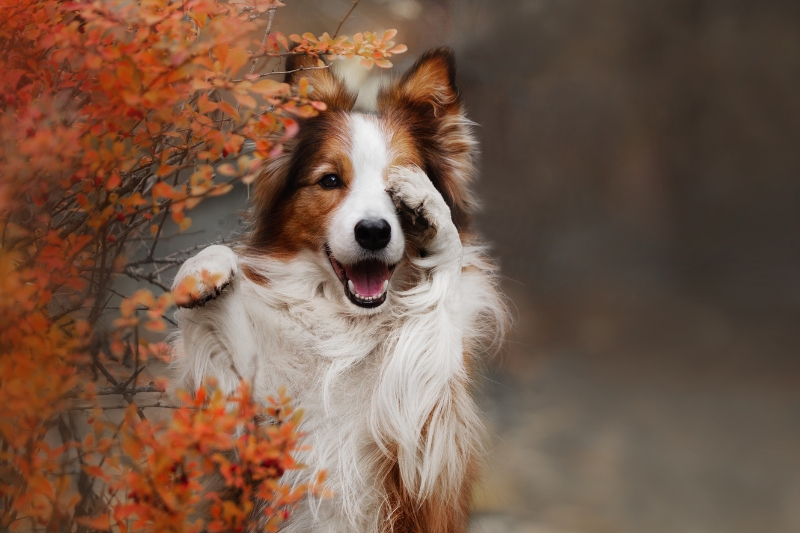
[
  {"x": 284, "y": 72},
  {"x": 139, "y": 407},
  {"x": 109, "y": 391},
  {"x": 158, "y": 233},
  {"x": 115, "y": 391},
  {"x": 146, "y": 277},
  {"x": 156, "y": 261},
  {"x": 127, "y": 397},
  {"x": 339, "y": 27},
  {"x": 124, "y": 386},
  {"x": 173, "y": 258},
  {"x": 106, "y": 373},
  {"x": 271, "y": 15}
]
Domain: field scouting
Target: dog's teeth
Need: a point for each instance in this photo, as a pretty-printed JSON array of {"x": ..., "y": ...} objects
[
  {"x": 351, "y": 286},
  {"x": 385, "y": 285}
]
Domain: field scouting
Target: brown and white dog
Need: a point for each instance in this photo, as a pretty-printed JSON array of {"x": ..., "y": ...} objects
[{"x": 362, "y": 290}]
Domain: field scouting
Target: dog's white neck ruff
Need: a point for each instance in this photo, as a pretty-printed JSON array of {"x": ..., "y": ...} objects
[{"x": 389, "y": 383}]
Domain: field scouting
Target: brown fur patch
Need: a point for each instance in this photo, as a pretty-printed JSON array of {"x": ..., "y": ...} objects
[
  {"x": 254, "y": 276},
  {"x": 290, "y": 209},
  {"x": 443, "y": 513}
]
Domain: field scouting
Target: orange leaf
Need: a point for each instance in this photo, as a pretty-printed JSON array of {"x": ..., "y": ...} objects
[
  {"x": 269, "y": 87},
  {"x": 113, "y": 182},
  {"x": 228, "y": 109},
  {"x": 205, "y": 105},
  {"x": 94, "y": 471},
  {"x": 246, "y": 100},
  {"x": 221, "y": 189},
  {"x": 94, "y": 62},
  {"x": 161, "y": 189},
  {"x": 236, "y": 59},
  {"x": 281, "y": 38},
  {"x": 101, "y": 522},
  {"x": 227, "y": 169},
  {"x": 163, "y": 170}
]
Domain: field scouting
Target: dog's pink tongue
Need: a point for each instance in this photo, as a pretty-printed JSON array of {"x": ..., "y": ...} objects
[{"x": 368, "y": 277}]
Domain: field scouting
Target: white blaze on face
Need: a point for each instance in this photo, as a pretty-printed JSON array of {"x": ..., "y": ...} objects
[{"x": 366, "y": 198}]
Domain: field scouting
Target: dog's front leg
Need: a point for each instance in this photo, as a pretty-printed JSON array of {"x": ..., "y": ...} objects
[
  {"x": 215, "y": 340},
  {"x": 424, "y": 409}
]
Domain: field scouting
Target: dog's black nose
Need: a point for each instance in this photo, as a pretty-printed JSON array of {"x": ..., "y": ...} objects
[{"x": 373, "y": 234}]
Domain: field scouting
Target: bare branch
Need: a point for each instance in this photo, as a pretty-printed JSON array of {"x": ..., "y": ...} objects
[
  {"x": 271, "y": 15},
  {"x": 339, "y": 27},
  {"x": 114, "y": 391},
  {"x": 284, "y": 72},
  {"x": 138, "y": 406}
]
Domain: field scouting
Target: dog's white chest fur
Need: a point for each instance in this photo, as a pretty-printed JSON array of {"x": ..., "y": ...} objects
[{"x": 368, "y": 384}]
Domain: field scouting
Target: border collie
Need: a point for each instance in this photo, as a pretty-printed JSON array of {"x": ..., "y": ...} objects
[{"x": 362, "y": 289}]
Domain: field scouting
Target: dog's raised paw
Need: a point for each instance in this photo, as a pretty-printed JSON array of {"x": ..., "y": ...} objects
[
  {"x": 413, "y": 193},
  {"x": 423, "y": 206},
  {"x": 206, "y": 276}
]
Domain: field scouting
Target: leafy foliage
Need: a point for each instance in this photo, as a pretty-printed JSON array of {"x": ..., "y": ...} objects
[{"x": 117, "y": 117}]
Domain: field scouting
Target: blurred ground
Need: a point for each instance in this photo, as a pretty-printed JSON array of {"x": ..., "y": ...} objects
[
  {"x": 640, "y": 182},
  {"x": 664, "y": 416}
]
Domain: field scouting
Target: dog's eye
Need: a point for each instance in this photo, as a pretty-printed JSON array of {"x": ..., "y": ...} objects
[{"x": 330, "y": 181}]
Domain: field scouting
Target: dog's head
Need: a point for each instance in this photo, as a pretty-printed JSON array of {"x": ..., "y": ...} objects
[{"x": 327, "y": 193}]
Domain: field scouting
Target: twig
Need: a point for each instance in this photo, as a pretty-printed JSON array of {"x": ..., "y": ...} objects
[
  {"x": 113, "y": 391},
  {"x": 138, "y": 407},
  {"x": 146, "y": 277},
  {"x": 127, "y": 397},
  {"x": 271, "y": 15},
  {"x": 109, "y": 391},
  {"x": 339, "y": 27},
  {"x": 284, "y": 72},
  {"x": 106, "y": 373},
  {"x": 124, "y": 386}
]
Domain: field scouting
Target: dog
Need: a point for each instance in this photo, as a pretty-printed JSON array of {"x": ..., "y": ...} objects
[{"x": 361, "y": 287}]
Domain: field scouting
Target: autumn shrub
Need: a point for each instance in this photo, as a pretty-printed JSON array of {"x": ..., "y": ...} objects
[{"x": 116, "y": 119}]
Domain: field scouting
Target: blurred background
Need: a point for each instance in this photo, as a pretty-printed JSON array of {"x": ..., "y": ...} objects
[{"x": 641, "y": 190}]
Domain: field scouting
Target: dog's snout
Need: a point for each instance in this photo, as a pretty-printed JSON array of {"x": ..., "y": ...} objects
[{"x": 373, "y": 234}]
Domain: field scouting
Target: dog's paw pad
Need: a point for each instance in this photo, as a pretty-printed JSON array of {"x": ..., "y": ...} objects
[{"x": 205, "y": 276}]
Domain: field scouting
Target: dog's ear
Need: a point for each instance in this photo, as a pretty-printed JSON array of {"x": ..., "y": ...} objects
[
  {"x": 428, "y": 87},
  {"x": 426, "y": 102},
  {"x": 328, "y": 87}
]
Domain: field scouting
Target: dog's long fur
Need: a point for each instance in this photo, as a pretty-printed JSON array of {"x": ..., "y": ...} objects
[{"x": 386, "y": 391}]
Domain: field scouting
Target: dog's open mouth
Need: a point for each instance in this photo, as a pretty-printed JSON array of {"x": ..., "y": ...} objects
[{"x": 366, "y": 282}]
